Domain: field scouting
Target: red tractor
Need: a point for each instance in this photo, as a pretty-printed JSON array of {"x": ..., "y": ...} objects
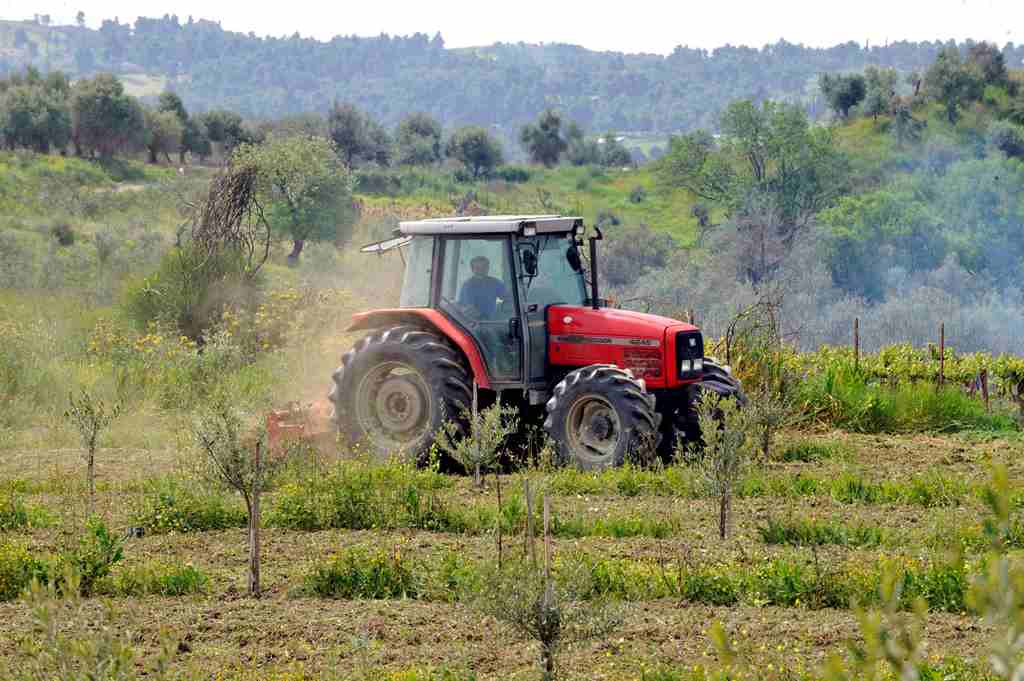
[{"x": 504, "y": 301}]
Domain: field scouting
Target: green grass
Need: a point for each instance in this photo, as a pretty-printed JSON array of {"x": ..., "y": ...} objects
[
  {"x": 845, "y": 399},
  {"x": 810, "y": 532}
]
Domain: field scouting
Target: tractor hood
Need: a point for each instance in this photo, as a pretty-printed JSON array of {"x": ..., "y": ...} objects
[
  {"x": 606, "y": 321},
  {"x": 644, "y": 343}
]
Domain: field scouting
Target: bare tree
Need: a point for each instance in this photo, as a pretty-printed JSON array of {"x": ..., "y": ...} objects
[{"x": 239, "y": 464}]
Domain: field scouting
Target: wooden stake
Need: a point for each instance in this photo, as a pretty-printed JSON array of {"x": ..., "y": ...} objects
[
  {"x": 547, "y": 539},
  {"x": 529, "y": 523},
  {"x": 942, "y": 353},
  {"x": 254, "y": 528},
  {"x": 497, "y": 484},
  {"x": 692, "y": 319},
  {"x": 476, "y": 440},
  {"x": 856, "y": 342}
]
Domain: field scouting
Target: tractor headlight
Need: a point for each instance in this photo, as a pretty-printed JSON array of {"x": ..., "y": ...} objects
[
  {"x": 685, "y": 367},
  {"x": 698, "y": 365}
]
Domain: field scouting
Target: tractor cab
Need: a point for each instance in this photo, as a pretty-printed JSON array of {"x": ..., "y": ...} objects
[
  {"x": 494, "y": 278},
  {"x": 508, "y": 303}
]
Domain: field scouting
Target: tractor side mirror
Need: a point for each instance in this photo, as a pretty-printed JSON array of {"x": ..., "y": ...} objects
[
  {"x": 573, "y": 256},
  {"x": 529, "y": 260}
]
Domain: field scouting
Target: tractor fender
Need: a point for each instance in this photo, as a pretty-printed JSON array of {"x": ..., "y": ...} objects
[{"x": 430, "y": 319}]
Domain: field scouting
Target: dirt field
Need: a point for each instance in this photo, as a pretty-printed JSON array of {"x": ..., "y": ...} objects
[{"x": 221, "y": 630}]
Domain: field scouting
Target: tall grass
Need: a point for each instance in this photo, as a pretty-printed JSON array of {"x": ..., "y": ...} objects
[{"x": 844, "y": 398}]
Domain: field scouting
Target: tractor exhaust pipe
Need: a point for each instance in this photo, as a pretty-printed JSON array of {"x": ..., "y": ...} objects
[{"x": 594, "y": 302}]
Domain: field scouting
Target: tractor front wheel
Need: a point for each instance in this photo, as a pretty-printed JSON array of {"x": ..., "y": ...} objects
[
  {"x": 598, "y": 415},
  {"x": 396, "y": 388}
]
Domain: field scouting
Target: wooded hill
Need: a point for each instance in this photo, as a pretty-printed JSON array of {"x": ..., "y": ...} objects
[{"x": 503, "y": 85}]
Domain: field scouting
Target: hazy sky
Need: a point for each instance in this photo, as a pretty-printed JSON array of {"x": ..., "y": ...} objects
[{"x": 634, "y": 26}]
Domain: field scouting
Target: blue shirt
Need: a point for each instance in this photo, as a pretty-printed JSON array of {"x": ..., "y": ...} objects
[{"x": 482, "y": 293}]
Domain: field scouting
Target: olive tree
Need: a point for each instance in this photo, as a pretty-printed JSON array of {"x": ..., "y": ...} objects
[
  {"x": 543, "y": 140},
  {"x": 105, "y": 118},
  {"x": 90, "y": 416},
  {"x": 306, "y": 188},
  {"x": 476, "y": 149},
  {"x": 240, "y": 465},
  {"x": 724, "y": 427}
]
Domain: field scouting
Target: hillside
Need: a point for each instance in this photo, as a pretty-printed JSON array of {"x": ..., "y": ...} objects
[{"x": 501, "y": 85}]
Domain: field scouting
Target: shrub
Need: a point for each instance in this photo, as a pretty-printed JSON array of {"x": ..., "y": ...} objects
[
  {"x": 809, "y": 451},
  {"x": 13, "y": 514},
  {"x": 170, "y": 505},
  {"x": 515, "y": 174},
  {"x": 92, "y": 558},
  {"x": 63, "y": 233},
  {"x": 804, "y": 532},
  {"x": 18, "y": 567},
  {"x": 360, "y": 574},
  {"x": 637, "y": 194},
  {"x": 358, "y": 496},
  {"x": 190, "y": 290}
]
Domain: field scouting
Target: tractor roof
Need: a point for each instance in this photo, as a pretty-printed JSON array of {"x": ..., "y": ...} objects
[{"x": 490, "y": 224}]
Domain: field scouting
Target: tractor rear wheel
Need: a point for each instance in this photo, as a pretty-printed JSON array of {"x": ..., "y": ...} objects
[
  {"x": 396, "y": 388},
  {"x": 598, "y": 415}
]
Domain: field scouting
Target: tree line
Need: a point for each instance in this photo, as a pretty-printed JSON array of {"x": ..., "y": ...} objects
[
  {"x": 95, "y": 117},
  {"x": 918, "y": 181},
  {"x": 498, "y": 87}
]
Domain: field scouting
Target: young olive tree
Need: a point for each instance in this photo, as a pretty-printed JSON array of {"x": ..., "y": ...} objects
[
  {"x": 724, "y": 426},
  {"x": 478, "y": 450},
  {"x": 238, "y": 462},
  {"x": 556, "y": 610},
  {"x": 91, "y": 416}
]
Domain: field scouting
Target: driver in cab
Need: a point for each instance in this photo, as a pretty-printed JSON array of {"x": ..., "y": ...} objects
[{"x": 482, "y": 292}]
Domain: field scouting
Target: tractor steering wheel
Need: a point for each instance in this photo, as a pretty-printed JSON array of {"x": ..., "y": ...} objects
[{"x": 467, "y": 311}]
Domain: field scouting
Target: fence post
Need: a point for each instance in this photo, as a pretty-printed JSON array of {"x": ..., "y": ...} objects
[
  {"x": 984, "y": 388},
  {"x": 691, "y": 318},
  {"x": 942, "y": 353},
  {"x": 856, "y": 342},
  {"x": 529, "y": 522}
]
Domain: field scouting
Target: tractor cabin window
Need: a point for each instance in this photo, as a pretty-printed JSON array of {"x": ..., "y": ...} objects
[
  {"x": 477, "y": 289},
  {"x": 418, "y": 264},
  {"x": 556, "y": 283}
]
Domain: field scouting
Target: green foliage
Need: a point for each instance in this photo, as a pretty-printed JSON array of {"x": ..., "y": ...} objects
[
  {"x": 419, "y": 140},
  {"x": 190, "y": 291},
  {"x": 476, "y": 149},
  {"x": 358, "y": 137},
  {"x": 727, "y": 445},
  {"x": 360, "y": 496},
  {"x": 810, "y": 451},
  {"x": 809, "y": 532},
  {"x": 307, "y": 191},
  {"x": 357, "y": 574},
  {"x": 72, "y": 640},
  {"x": 13, "y": 514},
  {"x": 105, "y": 119},
  {"x": 91, "y": 559},
  {"x": 170, "y": 505},
  {"x": 18, "y": 567},
  {"x": 155, "y": 579},
  {"x": 842, "y": 92},
  {"x": 543, "y": 140},
  {"x": 35, "y": 113},
  {"x": 477, "y": 448},
  {"x": 953, "y": 82},
  {"x": 164, "y": 134}
]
